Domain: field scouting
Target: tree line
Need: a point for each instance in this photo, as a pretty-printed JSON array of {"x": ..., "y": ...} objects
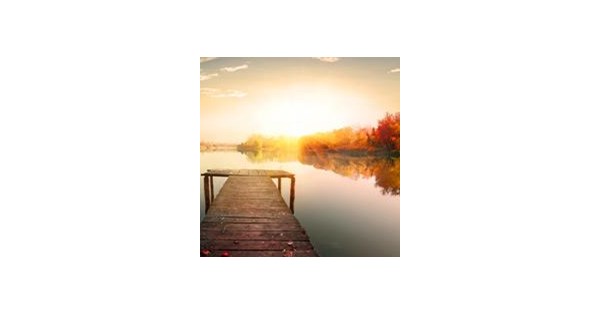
[{"x": 384, "y": 139}]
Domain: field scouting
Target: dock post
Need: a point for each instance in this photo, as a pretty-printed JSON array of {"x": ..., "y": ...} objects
[
  {"x": 206, "y": 194},
  {"x": 292, "y": 193},
  {"x": 279, "y": 184},
  {"x": 212, "y": 190}
]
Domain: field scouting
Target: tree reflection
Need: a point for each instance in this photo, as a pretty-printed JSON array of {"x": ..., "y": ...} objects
[
  {"x": 271, "y": 156},
  {"x": 385, "y": 170}
]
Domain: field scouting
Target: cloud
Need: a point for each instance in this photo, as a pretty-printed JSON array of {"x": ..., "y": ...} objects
[
  {"x": 208, "y": 76},
  {"x": 327, "y": 59},
  {"x": 208, "y": 91},
  {"x": 212, "y": 92},
  {"x": 205, "y": 59},
  {"x": 394, "y": 70},
  {"x": 234, "y": 69}
]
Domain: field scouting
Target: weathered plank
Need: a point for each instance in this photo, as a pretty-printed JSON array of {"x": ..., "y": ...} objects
[
  {"x": 263, "y": 253},
  {"x": 253, "y": 235},
  {"x": 260, "y": 245},
  {"x": 243, "y": 219},
  {"x": 248, "y": 172},
  {"x": 238, "y": 226}
]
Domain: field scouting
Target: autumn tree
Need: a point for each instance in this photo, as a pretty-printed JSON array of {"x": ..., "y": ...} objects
[{"x": 387, "y": 134}]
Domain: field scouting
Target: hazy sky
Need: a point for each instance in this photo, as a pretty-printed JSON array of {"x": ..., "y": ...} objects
[{"x": 293, "y": 96}]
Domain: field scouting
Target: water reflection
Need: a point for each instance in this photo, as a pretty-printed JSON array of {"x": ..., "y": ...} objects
[
  {"x": 386, "y": 171},
  {"x": 271, "y": 156}
]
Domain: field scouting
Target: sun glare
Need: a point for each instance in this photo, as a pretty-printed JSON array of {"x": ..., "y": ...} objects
[
  {"x": 302, "y": 112},
  {"x": 241, "y": 97},
  {"x": 295, "y": 118}
]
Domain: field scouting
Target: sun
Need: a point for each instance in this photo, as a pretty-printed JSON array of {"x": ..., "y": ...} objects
[
  {"x": 303, "y": 110},
  {"x": 296, "y": 118}
]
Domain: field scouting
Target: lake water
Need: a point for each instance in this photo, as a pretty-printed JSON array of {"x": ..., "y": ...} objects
[{"x": 349, "y": 206}]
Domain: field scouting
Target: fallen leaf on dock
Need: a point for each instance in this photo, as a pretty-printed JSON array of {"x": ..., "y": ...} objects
[
  {"x": 204, "y": 252},
  {"x": 225, "y": 254},
  {"x": 236, "y": 242}
]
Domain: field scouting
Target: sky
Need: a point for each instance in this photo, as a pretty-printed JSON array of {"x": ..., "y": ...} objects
[{"x": 293, "y": 96}]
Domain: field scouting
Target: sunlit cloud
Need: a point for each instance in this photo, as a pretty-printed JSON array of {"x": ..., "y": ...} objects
[
  {"x": 212, "y": 92},
  {"x": 394, "y": 70},
  {"x": 205, "y": 59},
  {"x": 234, "y": 69},
  {"x": 208, "y": 76},
  {"x": 327, "y": 59}
]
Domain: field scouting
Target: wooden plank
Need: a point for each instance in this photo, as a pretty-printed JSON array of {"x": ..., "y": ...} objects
[
  {"x": 248, "y": 172},
  {"x": 238, "y": 226},
  {"x": 215, "y": 174},
  {"x": 230, "y": 174},
  {"x": 254, "y": 235},
  {"x": 257, "y": 245},
  {"x": 237, "y": 219},
  {"x": 262, "y": 253}
]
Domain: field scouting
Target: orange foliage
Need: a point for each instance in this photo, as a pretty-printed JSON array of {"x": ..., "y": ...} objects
[
  {"x": 387, "y": 133},
  {"x": 383, "y": 139}
]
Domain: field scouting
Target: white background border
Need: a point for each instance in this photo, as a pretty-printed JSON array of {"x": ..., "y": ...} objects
[{"x": 99, "y": 134}]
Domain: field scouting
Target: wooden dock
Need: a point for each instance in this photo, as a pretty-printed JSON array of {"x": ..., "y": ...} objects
[{"x": 249, "y": 216}]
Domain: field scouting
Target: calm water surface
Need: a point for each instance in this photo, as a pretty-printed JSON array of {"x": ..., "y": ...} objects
[{"x": 349, "y": 206}]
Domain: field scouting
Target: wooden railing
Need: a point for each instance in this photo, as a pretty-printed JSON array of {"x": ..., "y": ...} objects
[{"x": 209, "y": 194}]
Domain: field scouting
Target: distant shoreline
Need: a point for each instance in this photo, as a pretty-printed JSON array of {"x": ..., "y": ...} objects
[{"x": 205, "y": 147}]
